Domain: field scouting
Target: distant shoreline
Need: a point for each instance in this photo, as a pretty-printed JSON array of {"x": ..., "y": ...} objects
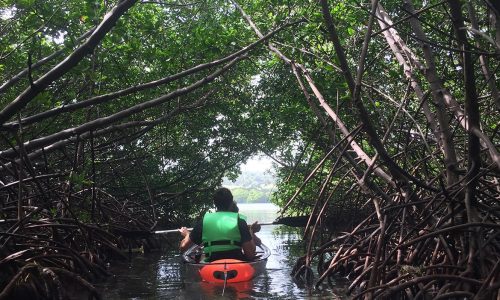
[{"x": 258, "y": 206}]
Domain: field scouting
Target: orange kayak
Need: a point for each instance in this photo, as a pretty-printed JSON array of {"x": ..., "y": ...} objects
[{"x": 224, "y": 270}]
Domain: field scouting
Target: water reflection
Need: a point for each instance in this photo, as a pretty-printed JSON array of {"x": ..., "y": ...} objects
[{"x": 160, "y": 275}]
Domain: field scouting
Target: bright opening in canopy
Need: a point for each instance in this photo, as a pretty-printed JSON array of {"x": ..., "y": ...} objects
[{"x": 255, "y": 183}]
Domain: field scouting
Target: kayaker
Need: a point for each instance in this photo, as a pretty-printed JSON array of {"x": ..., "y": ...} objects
[{"x": 224, "y": 234}]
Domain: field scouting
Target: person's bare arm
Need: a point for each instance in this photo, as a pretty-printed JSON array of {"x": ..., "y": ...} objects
[
  {"x": 186, "y": 241},
  {"x": 249, "y": 249},
  {"x": 255, "y": 227},
  {"x": 256, "y": 240}
]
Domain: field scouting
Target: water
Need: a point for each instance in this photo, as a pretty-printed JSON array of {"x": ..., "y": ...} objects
[{"x": 160, "y": 275}]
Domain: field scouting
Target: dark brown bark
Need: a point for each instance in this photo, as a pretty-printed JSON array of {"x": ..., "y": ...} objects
[
  {"x": 472, "y": 111},
  {"x": 471, "y": 100},
  {"x": 488, "y": 76}
]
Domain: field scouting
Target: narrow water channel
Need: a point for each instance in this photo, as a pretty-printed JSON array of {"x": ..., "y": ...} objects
[{"x": 160, "y": 275}]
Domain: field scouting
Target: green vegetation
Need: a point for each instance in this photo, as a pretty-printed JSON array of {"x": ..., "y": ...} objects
[
  {"x": 251, "y": 195},
  {"x": 121, "y": 116},
  {"x": 252, "y": 187}
]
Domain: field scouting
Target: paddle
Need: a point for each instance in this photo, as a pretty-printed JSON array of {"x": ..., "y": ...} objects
[
  {"x": 298, "y": 221},
  {"x": 168, "y": 231}
]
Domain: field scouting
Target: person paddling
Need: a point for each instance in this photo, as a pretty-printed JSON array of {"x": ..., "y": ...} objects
[{"x": 223, "y": 234}]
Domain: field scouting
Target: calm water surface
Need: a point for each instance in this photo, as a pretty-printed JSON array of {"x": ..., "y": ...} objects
[{"x": 160, "y": 275}]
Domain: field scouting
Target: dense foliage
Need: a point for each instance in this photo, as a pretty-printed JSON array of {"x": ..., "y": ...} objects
[{"x": 119, "y": 117}]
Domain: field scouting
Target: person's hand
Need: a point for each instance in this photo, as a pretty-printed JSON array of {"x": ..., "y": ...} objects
[
  {"x": 255, "y": 227},
  {"x": 184, "y": 231}
]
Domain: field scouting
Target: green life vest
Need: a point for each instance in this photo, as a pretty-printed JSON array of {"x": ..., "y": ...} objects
[{"x": 220, "y": 232}]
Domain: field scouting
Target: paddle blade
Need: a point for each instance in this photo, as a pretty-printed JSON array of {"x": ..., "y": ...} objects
[{"x": 298, "y": 221}]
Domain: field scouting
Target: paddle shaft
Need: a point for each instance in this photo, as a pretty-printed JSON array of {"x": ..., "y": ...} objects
[
  {"x": 190, "y": 229},
  {"x": 169, "y": 231},
  {"x": 264, "y": 224}
]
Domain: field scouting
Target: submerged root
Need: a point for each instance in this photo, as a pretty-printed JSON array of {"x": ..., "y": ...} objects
[
  {"x": 46, "y": 257},
  {"x": 427, "y": 253}
]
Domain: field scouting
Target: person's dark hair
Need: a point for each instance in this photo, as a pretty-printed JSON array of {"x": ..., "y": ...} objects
[
  {"x": 234, "y": 207},
  {"x": 223, "y": 199}
]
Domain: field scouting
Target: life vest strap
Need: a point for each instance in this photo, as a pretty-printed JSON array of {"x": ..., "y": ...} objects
[{"x": 222, "y": 242}]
